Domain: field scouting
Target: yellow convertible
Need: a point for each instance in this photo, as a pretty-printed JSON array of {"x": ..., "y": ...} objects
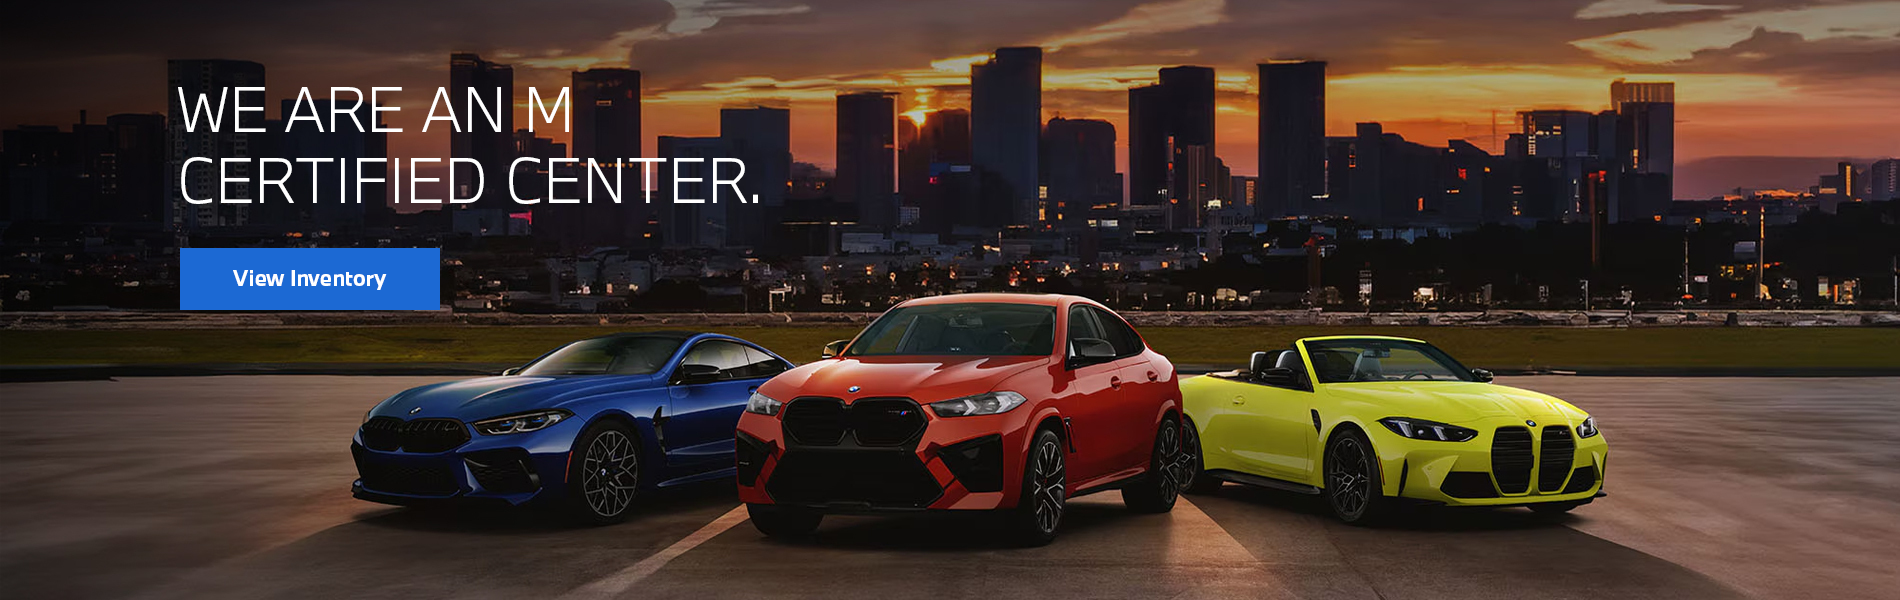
[{"x": 1372, "y": 421}]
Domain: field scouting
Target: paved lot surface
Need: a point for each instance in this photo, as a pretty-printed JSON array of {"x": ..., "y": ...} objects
[{"x": 237, "y": 487}]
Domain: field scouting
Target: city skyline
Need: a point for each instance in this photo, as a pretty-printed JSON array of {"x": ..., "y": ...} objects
[{"x": 1796, "y": 97}]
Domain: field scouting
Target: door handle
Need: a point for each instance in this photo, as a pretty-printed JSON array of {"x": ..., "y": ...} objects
[
  {"x": 1115, "y": 382},
  {"x": 1240, "y": 399},
  {"x": 752, "y": 389},
  {"x": 1152, "y": 376}
]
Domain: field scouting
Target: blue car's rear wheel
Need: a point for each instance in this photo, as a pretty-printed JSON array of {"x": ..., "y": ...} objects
[{"x": 604, "y": 479}]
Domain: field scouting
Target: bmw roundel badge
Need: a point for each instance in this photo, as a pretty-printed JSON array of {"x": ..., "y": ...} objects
[
  {"x": 853, "y": 389},
  {"x": 1530, "y": 422},
  {"x": 415, "y": 410}
]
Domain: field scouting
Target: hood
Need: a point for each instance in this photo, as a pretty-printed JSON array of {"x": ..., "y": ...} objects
[
  {"x": 485, "y": 397},
  {"x": 1453, "y": 401},
  {"x": 925, "y": 379}
]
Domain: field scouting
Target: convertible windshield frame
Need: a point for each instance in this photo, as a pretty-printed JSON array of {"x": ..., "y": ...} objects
[
  {"x": 654, "y": 352},
  {"x": 1449, "y": 368},
  {"x": 943, "y": 321}
]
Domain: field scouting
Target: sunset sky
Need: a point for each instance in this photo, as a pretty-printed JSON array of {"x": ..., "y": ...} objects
[{"x": 1754, "y": 77}]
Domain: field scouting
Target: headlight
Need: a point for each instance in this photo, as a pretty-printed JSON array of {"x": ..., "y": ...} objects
[
  {"x": 980, "y": 404},
  {"x": 762, "y": 404},
  {"x": 1420, "y": 429},
  {"x": 521, "y": 423},
  {"x": 1588, "y": 428}
]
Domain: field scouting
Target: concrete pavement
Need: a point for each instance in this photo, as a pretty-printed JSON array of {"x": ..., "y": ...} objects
[{"x": 196, "y": 487}]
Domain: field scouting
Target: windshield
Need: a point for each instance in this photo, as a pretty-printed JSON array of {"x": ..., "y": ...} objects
[
  {"x": 1338, "y": 361},
  {"x": 975, "y": 329},
  {"x": 631, "y": 355}
]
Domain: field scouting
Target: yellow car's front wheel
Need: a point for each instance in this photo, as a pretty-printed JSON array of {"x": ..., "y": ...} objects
[{"x": 1352, "y": 479}]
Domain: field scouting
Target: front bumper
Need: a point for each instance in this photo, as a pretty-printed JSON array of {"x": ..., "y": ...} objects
[
  {"x": 505, "y": 469},
  {"x": 964, "y": 463},
  {"x": 1495, "y": 469}
]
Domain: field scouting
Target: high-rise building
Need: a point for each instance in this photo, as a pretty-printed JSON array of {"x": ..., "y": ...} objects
[
  {"x": 1566, "y": 144},
  {"x": 1078, "y": 166},
  {"x": 1005, "y": 124},
  {"x": 339, "y": 201},
  {"x": 1171, "y": 144},
  {"x": 1644, "y": 152},
  {"x": 480, "y": 139},
  {"x": 606, "y": 127},
  {"x": 867, "y": 156},
  {"x": 761, "y": 136},
  {"x": 1884, "y": 180},
  {"x": 607, "y": 114},
  {"x": 688, "y": 216},
  {"x": 211, "y": 79},
  {"x": 1292, "y": 137},
  {"x": 934, "y": 175}
]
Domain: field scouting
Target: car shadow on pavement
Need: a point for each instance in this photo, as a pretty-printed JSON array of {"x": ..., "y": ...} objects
[
  {"x": 954, "y": 532},
  {"x": 499, "y": 519},
  {"x": 1410, "y": 517}
]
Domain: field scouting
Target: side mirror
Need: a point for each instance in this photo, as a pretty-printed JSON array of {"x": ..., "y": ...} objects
[
  {"x": 1279, "y": 377},
  {"x": 1088, "y": 351},
  {"x": 693, "y": 374},
  {"x": 1482, "y": 376},
  {"x": 834, "y": 349},
  {"x": 511, "y": 371}
]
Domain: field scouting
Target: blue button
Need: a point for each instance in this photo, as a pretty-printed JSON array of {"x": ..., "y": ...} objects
[{"x": 310, "y": 279}]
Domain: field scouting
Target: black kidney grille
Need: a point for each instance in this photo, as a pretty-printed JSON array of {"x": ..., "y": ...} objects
[
  {"x": 382, "y": 434},
  {"x": 389, "y": 434},
  {"x": 885, "y": 421},
  {"x": 815, "y": 421},
  {"x": 1511, "y": 459},
  {"x": 1558, "y": 451}
]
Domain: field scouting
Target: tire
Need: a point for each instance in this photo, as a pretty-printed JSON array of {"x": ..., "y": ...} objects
[
  {"x": 604, "y": 477},
  {"x": 781, "y": 521},
  {"x": 1554, "y": 508},
  {"x": 1353, "y": 488},
  {"x": 1198, "y": 481},
  {"x": 1168, "y": 466},
  {"x": 1038, "y": 511}
]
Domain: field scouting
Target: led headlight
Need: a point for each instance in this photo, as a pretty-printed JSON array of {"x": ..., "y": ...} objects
[
  {"x": 521, "y": 423},
  {"x": 1420, "y": 429},
  {"x": 981, "y": 404},
  {"x": 762, "y": 404},
  {"x": 1588, "y": 428}
]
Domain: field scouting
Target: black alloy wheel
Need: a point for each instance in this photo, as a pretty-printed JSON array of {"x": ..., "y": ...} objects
[
  {"x": 605, "y": 479},
  {"x": 1197, "y": 480},
  {"x": 1038, "y": 512},
  {"x": 1353, "y": 488},
  {"x": 1169, "y": 471}
]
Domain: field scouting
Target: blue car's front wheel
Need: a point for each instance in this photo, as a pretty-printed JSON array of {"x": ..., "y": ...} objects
[{"x": 604, "y": 479}]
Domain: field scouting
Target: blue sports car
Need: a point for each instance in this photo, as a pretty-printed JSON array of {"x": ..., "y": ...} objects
[{"x": 586, "y": 428}]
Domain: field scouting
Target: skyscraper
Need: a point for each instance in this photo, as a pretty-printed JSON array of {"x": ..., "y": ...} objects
[
  {"x": 1292, "y": 137},
  {"x": 762, "y": 137},
  {"x": 1005, "y": 124},
  {"x": 606, "y": 129},
  {"x": 1645, "y": 147},
  {"x": 867, "y": 156},
  {"x": 1078, "y": 169},
  {"x": 934, "y": 173},
  {"x": 1884, "y": 180},
  {"x": 1171, "y": 144},
  {"x": 1564, "y": 142},
  {"x": 491, "y": 146},
  {"x": 698, "y": 222},
  {"x": 209, "y": 78},
  {"x": 339, "y": 203}
]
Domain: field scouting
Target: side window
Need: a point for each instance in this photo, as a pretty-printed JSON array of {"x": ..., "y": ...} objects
[
  {"x": 1118, "y": 333},
  {"x": 1082, "y": 325},
  {"x": 761, "y": 364},
  {"x": 728, "y": 357}
]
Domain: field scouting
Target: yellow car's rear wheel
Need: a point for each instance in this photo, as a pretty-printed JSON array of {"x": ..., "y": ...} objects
[{"x": 1353, "y": 488}]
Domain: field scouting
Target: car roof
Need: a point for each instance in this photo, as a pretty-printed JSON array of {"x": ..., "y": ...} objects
[
  {"x": 998, "y": 298},
  {"x": 1364, "y": 337}
]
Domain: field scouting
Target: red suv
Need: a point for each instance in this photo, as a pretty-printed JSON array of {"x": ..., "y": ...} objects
[{"x": 1011, "y": 403}]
